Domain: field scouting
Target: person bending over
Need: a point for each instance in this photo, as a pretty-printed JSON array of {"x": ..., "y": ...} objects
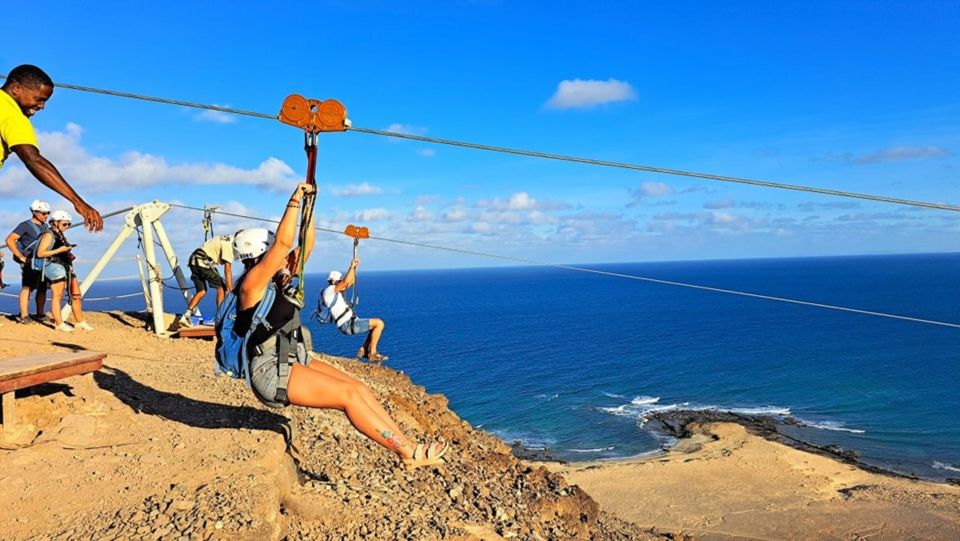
[
  {"x": 25, "y": 92},
  {"x": 343, "y": 315},
  {"x": 56, "y": 250},
  {"x": 270, "y": 258},
  {"x": 202, "y": 263}
]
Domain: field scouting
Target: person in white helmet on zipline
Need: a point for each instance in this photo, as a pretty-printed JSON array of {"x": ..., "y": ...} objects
[
  {"x": 345, "y": 318},
  {"x": 279, "y": 369}
]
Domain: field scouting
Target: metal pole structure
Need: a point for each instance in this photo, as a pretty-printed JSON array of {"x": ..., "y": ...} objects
[
  {"x": 101, "y": 264},
  {"x": 143, "y": 282},
  {"x": 172, "y": 260},
  {"x": 156, "y": 294}
]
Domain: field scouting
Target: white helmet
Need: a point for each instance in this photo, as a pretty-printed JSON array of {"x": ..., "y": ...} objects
[
  {"x": 251, "y": 243},
  {"x": 334, "y": 276},
  {"x": 60, "y": 216},
  {"x": 39, "y": 206}
]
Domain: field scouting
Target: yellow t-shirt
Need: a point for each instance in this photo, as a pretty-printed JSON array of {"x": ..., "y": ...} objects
[
  {"x": 219, "y": 249},
  {"x": 15, "y": 127}
]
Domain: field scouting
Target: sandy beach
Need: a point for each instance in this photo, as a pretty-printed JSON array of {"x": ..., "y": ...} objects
[
  {"x": 725, "y": 483},
  {"x": 156, "y": 447}
]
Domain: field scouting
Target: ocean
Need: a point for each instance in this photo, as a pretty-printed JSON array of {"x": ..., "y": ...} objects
[{"x": 574, "y": 363}]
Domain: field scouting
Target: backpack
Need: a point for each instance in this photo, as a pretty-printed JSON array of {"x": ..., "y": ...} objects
[
  {"x": 231, "y": 350},
  {"x": 29, "y": 250},
  {"x": 323, "y": 315}
]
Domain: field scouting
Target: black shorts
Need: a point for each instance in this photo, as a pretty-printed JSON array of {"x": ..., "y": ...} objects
[
  {"x": 32, "y": 279},
  {"x": 203, "y": 277}
]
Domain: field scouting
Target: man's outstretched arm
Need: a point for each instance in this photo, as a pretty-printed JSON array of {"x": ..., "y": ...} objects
[{"x": 47, "y": 174}]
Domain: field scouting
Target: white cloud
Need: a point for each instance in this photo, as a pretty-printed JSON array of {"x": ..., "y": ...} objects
[
  {"x": 355, "y": 190},
  {"x": 218, "y": 117},
  {"x": 719, "y": 204},
  {"x": 397, "y": 127},
  {"x": 520, "y": 201},
  {"x": 420, "y": 214},
  {"x": 455, "y": 214},
  {"x": 581, "y": 94},
  {"x": 90, "y": 174},
  {"x": 372, "y": 215},
  {"x": 649, "y": 190},
  {"x": 899, "y": 153},
  {"x": 427, "y": 152}
]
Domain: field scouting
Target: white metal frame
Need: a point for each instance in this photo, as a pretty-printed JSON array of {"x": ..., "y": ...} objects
[{"x": 148, "y": 217}]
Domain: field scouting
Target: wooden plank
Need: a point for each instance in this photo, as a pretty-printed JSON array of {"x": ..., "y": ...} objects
[
  {"x": 9, "y": 415},
  {"x": 200, "y": 331},
  {"x": 31, "y": 378},
  {"x": 20, "y": 366}
]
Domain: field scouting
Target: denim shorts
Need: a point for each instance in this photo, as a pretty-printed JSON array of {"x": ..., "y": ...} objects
[
  {"x": 265, "y": 373},
  {"x": 54, "y": 272},
  {"x": 358, "y": 325}
]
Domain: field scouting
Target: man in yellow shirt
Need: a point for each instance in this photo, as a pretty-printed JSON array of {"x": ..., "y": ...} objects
[{"x": 26, "y": 91}]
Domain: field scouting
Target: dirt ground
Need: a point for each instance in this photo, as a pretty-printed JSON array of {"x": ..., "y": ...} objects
[{"x": 154, "y": 446}]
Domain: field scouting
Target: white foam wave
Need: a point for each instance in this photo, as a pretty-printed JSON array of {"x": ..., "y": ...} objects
[
  {"x": 948, "y": 467},
  {"x": 597, "y": 450},
  {"x": 611, "y": 395},
  {"x": 642, "y": 407},
  {"x": 547, "y": 397},
  {"x": 835, "y": 426}
]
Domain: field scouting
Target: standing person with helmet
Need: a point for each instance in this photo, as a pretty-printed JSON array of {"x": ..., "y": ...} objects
[
  {"x": 26, "y": 91},
  {"x": 202, "y": 264},
  {"x": 58, "y": 271},
  {"x": 279, "y": 378},
  {"x": 343, "y": 316},
  {"x": 22, "y": 242}
]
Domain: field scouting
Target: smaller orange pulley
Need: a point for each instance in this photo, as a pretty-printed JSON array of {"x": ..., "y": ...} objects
[
  {"x": 314, "y": 115},
  {"x": 357, "y": 232}
]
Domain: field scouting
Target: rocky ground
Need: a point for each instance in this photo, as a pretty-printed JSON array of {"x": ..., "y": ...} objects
[{"x": 157, "y": 447}]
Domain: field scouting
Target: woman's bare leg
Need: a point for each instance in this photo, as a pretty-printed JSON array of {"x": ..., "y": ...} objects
[
  {"x": 365, "y": 393},
  {"x": 56, "y": 289},
  {"x": 315, "y": 389},
  {"x": 75, "y": 304}
]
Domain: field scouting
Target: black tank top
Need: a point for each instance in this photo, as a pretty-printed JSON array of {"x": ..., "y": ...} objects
[
  {"x": 59, "y": 241},
  {"x": 280, "y": 313}
]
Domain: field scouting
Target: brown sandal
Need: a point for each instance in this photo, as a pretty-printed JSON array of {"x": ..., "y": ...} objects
[
  {"x": 424, "y": 455},
  {"x": 361, "y": 353},
  {"x": 378, "y": 358}
]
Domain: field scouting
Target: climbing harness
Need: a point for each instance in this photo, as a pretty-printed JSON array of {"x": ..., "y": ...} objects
[
  {"x": 208, "y": 211},
  {"x": 313, "y": 117},
  {"x": 356, "y": 233}
]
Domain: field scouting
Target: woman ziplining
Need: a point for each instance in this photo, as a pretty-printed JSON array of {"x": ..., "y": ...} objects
[
  {"x": 258, "y": 326},
  {"x": 273, "y": 357}
]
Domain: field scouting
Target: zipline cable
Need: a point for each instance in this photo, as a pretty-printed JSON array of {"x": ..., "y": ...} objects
[
  {"x": 527, "y": 261},
  {"x": 535, "y": 154}
]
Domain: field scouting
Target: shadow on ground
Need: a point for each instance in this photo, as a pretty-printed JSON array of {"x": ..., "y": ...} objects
[{"x": 191, "y": 412}]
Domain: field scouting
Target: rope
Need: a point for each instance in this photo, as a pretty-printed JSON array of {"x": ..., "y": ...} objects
[
  {"x": 535, "y": 154},
  {"x": 127, "y": 296},
  {"x": 85, "y": 299},
  {"x": 527, "y": 261}
]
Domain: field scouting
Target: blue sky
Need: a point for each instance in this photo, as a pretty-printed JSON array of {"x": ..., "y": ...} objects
[{"x": 856, "y": 96}]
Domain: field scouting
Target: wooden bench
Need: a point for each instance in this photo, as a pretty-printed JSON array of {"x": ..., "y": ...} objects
[
  {"x": 197, "y": 331},
  {"x": 23, "y": 372}
]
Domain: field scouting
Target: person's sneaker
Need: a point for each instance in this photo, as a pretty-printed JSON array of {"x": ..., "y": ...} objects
[
  {"x": 184, "y": 321},
  {"x": 83, "y": 325},
  {"x": 64, "y": 327},
  {"x": 23, "y": 320},
  {"x": 40, "y": 318}
]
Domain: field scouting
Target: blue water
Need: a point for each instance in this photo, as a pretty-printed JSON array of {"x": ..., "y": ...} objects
[{"x": 574, "y": 362}]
